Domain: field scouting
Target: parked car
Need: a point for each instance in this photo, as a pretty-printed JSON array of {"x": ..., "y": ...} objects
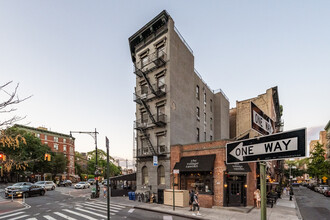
[
  {"x": 323, "y": 188},
  {"x": 48, "y": 185},
  {"x": 327, "y": 193},
  {"x": 91, "y": 181},
  {"x": 18, "y": 186},
  {"x": 319, "y": 187},
  {"x": 65, "y": 183},
  {"x": 82, "y": 185},
  {"x": 25, "y": 190}
]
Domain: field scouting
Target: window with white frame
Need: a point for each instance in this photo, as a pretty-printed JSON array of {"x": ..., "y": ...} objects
[
  {"x": 56, "y": 139},
  {"x": 197, "y": 113},
  {"x": 64, "y": 147},
  {"x": 144, "y": 60},
  {"x": 45, "y": 137},
  {"x": 161, "y": 143},
  {"x": 56, "y": 146},
  {"x": 197, "y": 92},
  {"x": 145, "y": 177},
  {"x": 64, "y": 140},
  {"x": 38, "y": 135}
]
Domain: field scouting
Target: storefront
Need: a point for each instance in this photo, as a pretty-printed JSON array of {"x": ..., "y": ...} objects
[
  {"x": 196, "y": 173},
  {"x": 235, "y": 190},
  {"x": 202, "y": 167}
]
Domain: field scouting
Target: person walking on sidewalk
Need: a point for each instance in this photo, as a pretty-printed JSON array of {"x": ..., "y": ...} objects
[
  {"x": 104, "y": 191},
  {"x": 196, "y": 204},
  {"x": 191, "y": 199},
  {"x": 257, "y": 196}
]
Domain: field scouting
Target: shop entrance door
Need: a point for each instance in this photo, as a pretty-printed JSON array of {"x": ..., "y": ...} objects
[{"x": 235, "y": 193}]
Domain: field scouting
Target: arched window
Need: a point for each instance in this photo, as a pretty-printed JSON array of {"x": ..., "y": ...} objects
[
  {"x": 161, "y": 175},
  {"x": 145, "y": 177}
]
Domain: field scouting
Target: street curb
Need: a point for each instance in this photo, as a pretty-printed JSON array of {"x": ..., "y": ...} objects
[
  {"x": 297, "y": 207},
  {"x": 170, "y": 213}
]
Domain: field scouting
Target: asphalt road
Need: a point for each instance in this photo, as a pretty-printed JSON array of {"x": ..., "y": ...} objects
[
  {"x": 312, "y": 205},
  {"x": 73, "y": 204}
]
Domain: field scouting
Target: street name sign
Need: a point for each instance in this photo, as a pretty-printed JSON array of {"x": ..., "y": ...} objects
[
  {"x": 260, "y": 121},
  {"x": 278, "y": 146}
]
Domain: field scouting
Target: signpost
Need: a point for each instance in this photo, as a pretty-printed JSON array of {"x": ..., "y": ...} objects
[
  {"x": 272, "y": 147},
  {"x": 108, "y": 174},
  {"x": 155, "y": 160},
  {"x": 260, "y": 121},
  {"x": 278, "y": 146}
]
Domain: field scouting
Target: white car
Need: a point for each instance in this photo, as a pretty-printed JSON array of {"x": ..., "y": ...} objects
[
  {"x": 82, "y": 185},
  {"x": 48, "y": 185}
]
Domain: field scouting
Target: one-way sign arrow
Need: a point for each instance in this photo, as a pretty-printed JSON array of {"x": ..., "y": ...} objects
[{"x": 272, "y": 147}]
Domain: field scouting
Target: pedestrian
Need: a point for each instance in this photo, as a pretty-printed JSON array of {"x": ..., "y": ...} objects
[
  {"x": 287, "y": 191},
  {"x": 196, "y": 204},
  {"x": 291, "y": 193},
  {"x": 257, "y": 197},
  {"x": 284, "y": 190},
  {"x": 104, "y": 191},
  {"x": 191, "y": 199}
]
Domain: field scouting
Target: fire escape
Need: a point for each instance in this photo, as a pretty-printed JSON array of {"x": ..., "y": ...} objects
[{"x": 145, "y": 95}]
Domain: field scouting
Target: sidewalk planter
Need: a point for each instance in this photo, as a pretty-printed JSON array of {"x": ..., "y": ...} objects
[{"x": 181, "y": 197}]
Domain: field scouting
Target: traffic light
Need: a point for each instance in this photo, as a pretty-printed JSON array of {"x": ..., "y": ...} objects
[
  {"x": 47, "y": 157},
  {"x": 1, "y": 156}
]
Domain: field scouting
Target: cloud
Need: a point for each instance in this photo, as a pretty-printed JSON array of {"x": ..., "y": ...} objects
[{"x": 313, "y": 133}]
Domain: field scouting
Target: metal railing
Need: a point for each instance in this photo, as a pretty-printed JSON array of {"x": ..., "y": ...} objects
[
  {"x": 183, "y": 40},
  {"x": 146, "y": 123},
  {"x": 147, "y": 94},
  {"x": 144, "y": 65}
]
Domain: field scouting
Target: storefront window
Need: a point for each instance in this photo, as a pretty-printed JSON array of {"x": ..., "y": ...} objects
[
  {"x": 161, "y": 175},
  {"x": 201, "y": 181}
]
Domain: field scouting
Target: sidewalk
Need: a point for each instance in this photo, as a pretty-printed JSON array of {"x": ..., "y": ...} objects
[{"x": 284, "y": 210}]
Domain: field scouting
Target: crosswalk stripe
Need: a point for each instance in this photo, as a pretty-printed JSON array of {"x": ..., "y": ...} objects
[
  {"x": 131, "y": 210},
  {"x": 99, "y": 209},
  {"x": 93, "y": 213},
  {"x": 18, "y": 217},
  {"x": 49, "y": 217},
  {"x": 31, "y": 219},
  {"x": 6, "y": 216},
  {"x": 112, "y": 205},
  {"x": 102, "y": 207},
  {"x": 64, "y": 216},
  {"x": 81, "y": 215}
]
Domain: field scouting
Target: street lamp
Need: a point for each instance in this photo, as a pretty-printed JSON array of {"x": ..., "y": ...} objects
[{"x": 93, "y": 134}]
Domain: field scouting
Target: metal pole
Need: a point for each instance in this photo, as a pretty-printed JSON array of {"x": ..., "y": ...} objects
[
  {"x": 263, "y": 190},
  {"x": 173, "y": 193},
  {"x": 96, "y": 171},
  {"x": 108, "y": 173}
]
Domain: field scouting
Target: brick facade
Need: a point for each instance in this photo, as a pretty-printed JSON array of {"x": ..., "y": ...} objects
[{"x": 219, "y": 149}]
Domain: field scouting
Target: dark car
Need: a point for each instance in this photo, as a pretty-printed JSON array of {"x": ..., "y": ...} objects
[
  {"x": 26, "y": 190},
  {"x": 91, "y": 181},
  {"x": 65, "y": 183}
]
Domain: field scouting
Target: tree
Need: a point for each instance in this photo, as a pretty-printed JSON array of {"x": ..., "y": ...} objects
[
  {"x": 7, "y": 103},
  {"x": 78, "y": 167},
  {"x": 58, "y": 163},
  {"x": 318, "y": 166},
  {"x": 24, "y": 152},
  {"x": 102, "y": 163}
]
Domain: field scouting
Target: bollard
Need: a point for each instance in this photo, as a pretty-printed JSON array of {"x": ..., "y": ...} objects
[{"x": 12, "y": 197}]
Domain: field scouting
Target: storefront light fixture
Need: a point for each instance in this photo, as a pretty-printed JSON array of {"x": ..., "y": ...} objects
[
  {"x": 225, "y": 185},
  {"x": 245, "y": 185}
]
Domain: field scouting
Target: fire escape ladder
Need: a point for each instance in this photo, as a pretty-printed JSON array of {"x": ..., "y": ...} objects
[
  {"x": 148, "y": 82},
  {"x": 148, "y": 110},
  {"x": 152, "y": 149}
]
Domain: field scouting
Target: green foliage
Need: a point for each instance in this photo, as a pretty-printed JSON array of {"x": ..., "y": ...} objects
[
  {"x": 79, "y": 169},
  {"x": 102, "y": 164},
  {"x": 318, "y": 166}
]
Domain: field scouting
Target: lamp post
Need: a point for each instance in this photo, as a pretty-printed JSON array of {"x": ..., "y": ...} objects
[{"x": 93, "y": 134}]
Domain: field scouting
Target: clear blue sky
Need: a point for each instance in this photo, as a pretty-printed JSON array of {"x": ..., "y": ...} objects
[{"x": 73, "y": 57}]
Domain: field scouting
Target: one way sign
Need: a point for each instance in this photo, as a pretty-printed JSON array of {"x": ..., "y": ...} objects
[{"x": 272, "y": 147}]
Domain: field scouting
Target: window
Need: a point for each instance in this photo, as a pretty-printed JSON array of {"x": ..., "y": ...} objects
[
  {"x": 197, "y": 112},
  {"x": 161, "y": 83},
  {"x": 145, "y": 148},
  {"x": 161, "y": 175},
  {"x": 56, "y": 146},
  {"x": 38, "y": 135},
  {"x": 56, "y": 139},
  {"x": 161, "y": 113},
  {"x": 211, "y": 124},
  {"x": 197, "y": 134},
  {"x": 64, "y": 147},
  {"x": 204, "y": 95},
  {"x": 204, "y": 135},
  {"x": 211, "y": 103},
  {"x": 161, "y": 144},
  {"x": 71, "y": 150},
  {"x": 145, "y": 178},
  {"x": 204, "y": 117},
  {"x": 144, "y": 117},
  {"x": 45, "y": 137},
  {"x": 144, "y": 61},
  {"x": 46, "y": 142},
  {"x": 211, "y": 138},
  {"x": 144, "y": 89},
  {"x": 64, "y": 140},
  {"x": 197, "y": 92},
  {"x": 161, "y": 51}
]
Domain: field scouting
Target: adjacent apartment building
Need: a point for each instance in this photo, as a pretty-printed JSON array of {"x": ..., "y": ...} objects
[
  {"x": 173, "y": 104},
  {"x": 58, "y": 143}
]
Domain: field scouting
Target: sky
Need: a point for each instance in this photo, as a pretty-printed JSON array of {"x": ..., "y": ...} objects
[{"x": 73, "y": 57}]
